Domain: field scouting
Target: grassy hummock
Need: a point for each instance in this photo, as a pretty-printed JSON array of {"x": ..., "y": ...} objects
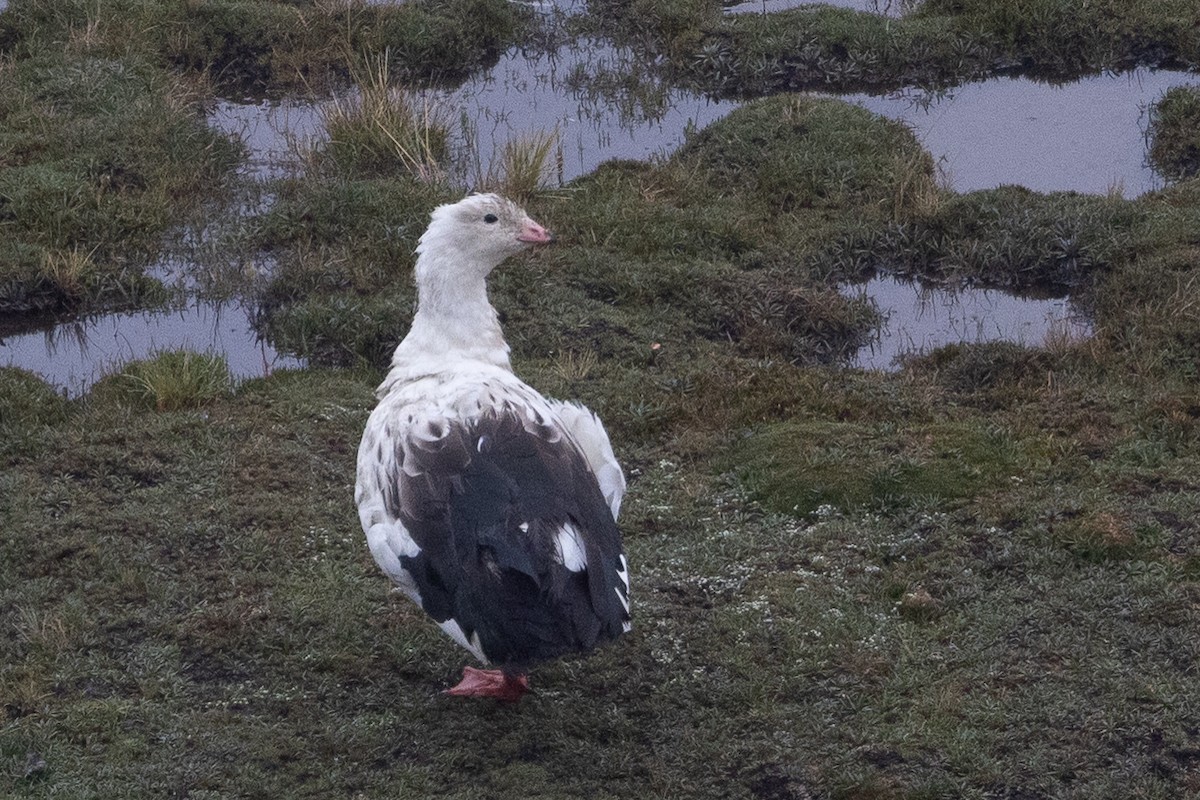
[
  {"x": 102, "y": 157},
  {"x": 1174, "y": 133},
  {"x": 257, "y": 45},
  {"x": 937, "y": 44}
]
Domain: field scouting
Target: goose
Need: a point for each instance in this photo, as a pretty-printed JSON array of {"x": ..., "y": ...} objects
[{"x": 490, "y": 506}]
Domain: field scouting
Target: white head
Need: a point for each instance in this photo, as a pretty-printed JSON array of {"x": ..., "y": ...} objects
[{"x": 477, "y": 233}]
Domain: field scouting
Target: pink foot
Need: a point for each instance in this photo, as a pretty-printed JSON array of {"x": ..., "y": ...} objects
[{"x": 490, "y": 683}]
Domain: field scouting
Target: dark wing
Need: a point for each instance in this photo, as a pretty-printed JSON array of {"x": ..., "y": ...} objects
[{"x": 517, "y": 543}]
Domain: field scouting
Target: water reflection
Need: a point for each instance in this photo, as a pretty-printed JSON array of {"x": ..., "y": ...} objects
[
  {"x": 603, "y": 102},
  {"x": 890, "y": 8},
  {"x": 1085, "y": 136},
  {"x": 74, "y": 355},
  {"x": 272, "y": 130},
  {"x": 919, "y": 318},
  {"x": 600, "y": 100}
]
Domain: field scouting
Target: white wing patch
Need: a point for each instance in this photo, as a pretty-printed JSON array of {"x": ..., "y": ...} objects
[
  {"x": 568, "y": 544},
  {"x": 455, "y": 632},
  {"x": 387, "y": 537},
  {"x": 623, "y": 576},
  {"x": 588, "y": 432},
  {"x": 388, "y": 541}
]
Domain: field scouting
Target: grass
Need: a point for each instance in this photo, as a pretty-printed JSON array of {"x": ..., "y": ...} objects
[
  {"x": 27, "y": 408},
  {"x": 1174, "y": 145},
  {"x": 927, "y": 646},
  {"x": 381, "y": 129},
  {"x": 803, "y": 467},
  {"x": 84, "y": 209},
  {"x": 937, "y": 44},
  {"x": 173, "y": 380},
  {"x": 971, "y": 578},
  {"x": 521, "y": 168}
]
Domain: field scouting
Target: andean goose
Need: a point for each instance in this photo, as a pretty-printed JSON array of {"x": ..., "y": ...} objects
[{"x": 489, "y": 505}]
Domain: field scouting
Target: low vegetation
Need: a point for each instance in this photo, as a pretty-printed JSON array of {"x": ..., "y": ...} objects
[
  {"x": 255, "y": 45},
  {"x": 170, "y": 381},
  {"x": 381, "y": 130},
  {"x": 938, "y": 43},
  {"x": 974, "y": 577},
  {"x": 101, "y": 156},
  {"x": 1174, "y": 133}
]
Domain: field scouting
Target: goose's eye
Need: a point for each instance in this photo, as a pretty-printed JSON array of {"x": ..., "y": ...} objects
[{"x": 490, "y": 218}]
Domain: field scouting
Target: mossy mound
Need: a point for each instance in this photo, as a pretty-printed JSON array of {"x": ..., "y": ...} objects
[
  {"x": 792, "y": 152},
  {"x": 102, "y": 157},
  {"x": 342, "y": 328},
  {"x": 939, "y": 44},
  {"x": 27, "y": 406},
  {"x": 797, "y": 467},
  {"x": 341, "y": 291},
  {"x": 252, "y": 45},
  {"x": 1174, "y": 133},
  {"x": 1008, "y": 237}
]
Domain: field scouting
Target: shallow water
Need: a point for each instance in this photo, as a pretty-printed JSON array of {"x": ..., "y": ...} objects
[
  {"x": 602, "y": 103},
  {"x": 1086, "y": 136},
  {"x": 74, "y": 355},
  {"x": 271, "y": 131},
  {"x": 891, "y": 8},
  {"x": 919, "y": 318}
]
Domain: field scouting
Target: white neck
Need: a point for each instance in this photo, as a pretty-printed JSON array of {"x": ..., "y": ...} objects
[{"x": 454, "y": 320}]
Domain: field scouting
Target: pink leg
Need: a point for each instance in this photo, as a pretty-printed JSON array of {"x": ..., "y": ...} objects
[{"x": 490, "y": 683}]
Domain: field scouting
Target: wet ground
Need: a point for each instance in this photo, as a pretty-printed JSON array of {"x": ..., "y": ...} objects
[{"x": 1085, "y": 136}]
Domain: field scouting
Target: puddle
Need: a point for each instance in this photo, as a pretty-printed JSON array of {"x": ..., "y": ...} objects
[
  {"x": 74, "y": 355},
  {"x": 890, "y": 8},
  {"x": 920, "y": 318},
  {"x": 270, "y": 129},
  {"x": 601, "y": 101},
  {"x": 1086, "y": 136}
]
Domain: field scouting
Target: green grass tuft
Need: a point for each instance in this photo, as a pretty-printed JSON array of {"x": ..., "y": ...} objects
[
  {"x": 173, "y": 380},
  {"x": 1174, "y": 133},
  {"x": 523, "y": 166},
  {"x": 383, "y": 129}
]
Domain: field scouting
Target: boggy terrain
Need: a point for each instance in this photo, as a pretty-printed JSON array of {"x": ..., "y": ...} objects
[{"x": 977, "y": 576}]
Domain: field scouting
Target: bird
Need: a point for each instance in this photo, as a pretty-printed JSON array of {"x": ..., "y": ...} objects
[{"x": 491, "y": 506}]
